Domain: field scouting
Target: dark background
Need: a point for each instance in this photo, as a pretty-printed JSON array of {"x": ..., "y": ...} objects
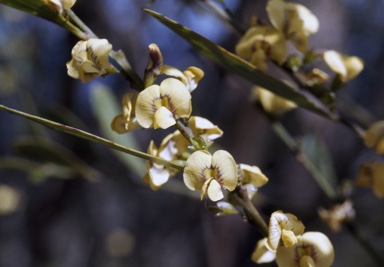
[{"x": 118, "y": 221}]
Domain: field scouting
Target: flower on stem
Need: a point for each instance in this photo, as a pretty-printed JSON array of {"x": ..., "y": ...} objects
[
  {"x": 261, "y": 43},
  {"x": 61, "y": 5},
  {"x": 90, "y": 60},
  {"x": 173, "y": 147},
  {"x": 272, "y": 103},
  {"x": 311, "y": 249},
  {"x": 261, "y": 254},
  {"x": 371, "y": 174},
  {"x": 205, "y": 129},
  {"x": 374, "y": 137},
  {"x": 296, "y": 22},
  {"x": 338, "y": 214},
  {"x": 209, "y": 173},
  {"x": 190, "y": 77},
  {"x": 251, "y": 178},
  {"x": 283, "y": 230},
  {"x": 346, "y": 67},
  {"x": 126, "y": 121},
  {"x": 159, "y": 106}
]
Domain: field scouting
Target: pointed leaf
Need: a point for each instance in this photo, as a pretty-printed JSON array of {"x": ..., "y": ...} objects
[
  {"x": 42, "y": 9},
  {"x": 241, "y": 67},
  {"x": 105, "y": 107},
  {"x": 91, "y": 137},
  {"x": 316, "y": 150}
]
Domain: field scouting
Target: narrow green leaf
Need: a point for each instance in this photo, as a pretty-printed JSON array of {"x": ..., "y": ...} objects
[
  {"x": 246, "y": 70},
  {"x": 91, "y": 137},
  {"x": 42, "y": 9},
  {"x": 105, "y": 107},
  {"x": 47, "y": 151},
  {"x": 316, "y": 150}
]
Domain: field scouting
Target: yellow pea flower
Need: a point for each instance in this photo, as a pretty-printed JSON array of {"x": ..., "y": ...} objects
[
  {"x": 374, "y": 137},
  {"x": 159, "y": 106},
  {"x": 283, "y": 230},
  {"x": 251, "y": 178},
  {"x": 126, "y": 121},
  {"x": 371, "y": 174},
  {"x": 311, "y": 249},
  {"x": 272, "y": 103},
  {"x": 261, "y": 43},
  {"x": 296, "y": 22},
  {"x": 172, "y": 148},
  {"x": 190, "y": 77},
  {"x": 90, "y": 60},
  {"x": 205, "y": 129},
  {"x": 347, "y": 67},
  {"x": 209, "y": 173}
]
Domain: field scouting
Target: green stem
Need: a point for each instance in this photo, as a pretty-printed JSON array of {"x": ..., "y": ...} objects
[
  {"x": 251, "y": 212},
  {"x": 305, "y": 161},
  {"x": 85, "y": 135},
  {"x": 88, "y": 32}
]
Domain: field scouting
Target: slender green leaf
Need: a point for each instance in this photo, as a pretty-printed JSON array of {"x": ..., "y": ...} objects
[
  {"x": 105, "y": 107},
  {"x": 47, "y": 151},
  {"x": 41, "y": 8},
  {"x": 246, "y": 70},
  {"x": 91, "y": 137},
  {"x": 316, "y": 150}
]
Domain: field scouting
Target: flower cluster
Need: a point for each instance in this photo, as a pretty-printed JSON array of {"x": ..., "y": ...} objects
[
  {"x": 290, "y": 246},
  {"x": 294, "y": 23}
]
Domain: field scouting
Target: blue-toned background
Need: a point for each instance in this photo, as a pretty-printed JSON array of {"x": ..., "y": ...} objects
[{"x": 66, "y": 220}]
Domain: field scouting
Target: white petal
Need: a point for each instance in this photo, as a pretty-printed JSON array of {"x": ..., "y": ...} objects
[
  {"x": 215, "y": 192},
  {"x": 194, "y": 175},
  {"x": 163, "y": 118},
  {"x": 226, "y": 169}
]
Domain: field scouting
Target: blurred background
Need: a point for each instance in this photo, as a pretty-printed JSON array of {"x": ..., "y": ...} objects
[{"x": 65, "y": 201}]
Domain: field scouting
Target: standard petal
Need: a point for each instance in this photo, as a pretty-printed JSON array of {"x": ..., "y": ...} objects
[
  {"x": 335, "y": 62},
  {"x": 100, "y": 49},
  {"x": 276, "y": 13},
  {"x": 179, "y": 98},
  {"x": 226, "y": 168},
  {"x": 195, "y": 170},
  {"x": 145, "y": 107}
]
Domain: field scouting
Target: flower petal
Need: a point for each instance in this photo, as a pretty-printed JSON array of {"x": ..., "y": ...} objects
[
  {"x": 261, "y": 254},
  {"x": 278, "y": 222},
  {"x": 374, "y": 137},
  {"x": 252, "y": 175},
  {"x": 194, "y": 171},
  {"x": 163, "y": 118},
  {"x": 314, "y": 245},
  {"x": 214, "y": 191},
  {"x": 179, "y": 98},
  {"x": 145, "y": 108},
  {"x": 226, "y": 169}
]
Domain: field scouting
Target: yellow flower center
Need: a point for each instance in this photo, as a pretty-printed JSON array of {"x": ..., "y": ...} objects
[{"x": 163, "y": 101}]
